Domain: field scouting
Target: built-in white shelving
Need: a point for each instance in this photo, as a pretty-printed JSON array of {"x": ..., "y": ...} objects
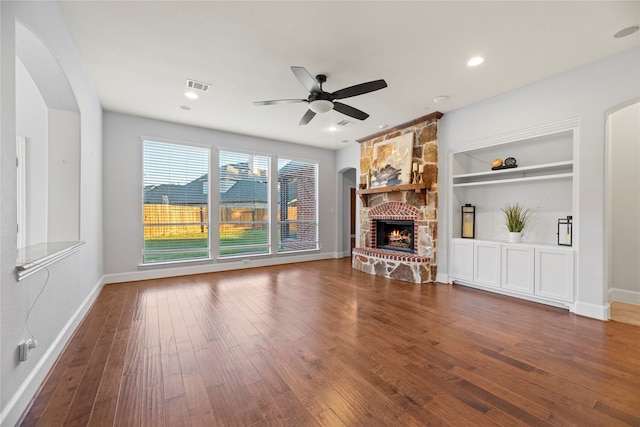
[
  {"x": 555, "y": 170},
  {"x": 543, "y": 181}
]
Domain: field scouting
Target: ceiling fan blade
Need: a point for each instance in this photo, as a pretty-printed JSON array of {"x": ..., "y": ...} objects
[
  {"x": 360, "y": 89},
  {"x": 279, "y": 101},
  {"x": 307, "y": 80},
  {"x": 349, "y": 111},
  {"x": 307, "y": 117}
]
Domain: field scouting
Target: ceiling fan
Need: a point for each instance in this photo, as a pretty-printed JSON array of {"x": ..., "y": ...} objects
[{"x": 321, "y": 101}]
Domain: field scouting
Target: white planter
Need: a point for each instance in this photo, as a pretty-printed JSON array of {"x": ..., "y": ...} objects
[{"x": 515, "y": 237}]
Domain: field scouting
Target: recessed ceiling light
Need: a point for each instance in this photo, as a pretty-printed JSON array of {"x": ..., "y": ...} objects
[
  {"x": 333, "y": 129},
  {"x": 626, "y": 31},
  {"x": 191, "y": 95},
  {"x": 475, "y": 61},
  {"x": 345, "y": 141},
  {"x": 185, "y": 107},
  {"x": 439, "y": 99},
  {"x": 383, "y": 126}
]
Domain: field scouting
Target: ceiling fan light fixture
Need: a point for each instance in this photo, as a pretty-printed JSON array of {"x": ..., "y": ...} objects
[
  {"x": 320, "y": 106},
  {"x": 475, "y": 61}
]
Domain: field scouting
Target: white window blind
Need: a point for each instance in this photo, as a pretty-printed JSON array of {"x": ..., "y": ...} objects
[
  {"x": 244, "y": 203},
  {"x": 297, "y": 205},
  {"x": 175, "y": 202}
]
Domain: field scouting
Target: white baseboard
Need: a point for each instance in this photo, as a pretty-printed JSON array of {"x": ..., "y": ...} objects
[
  {"x": 168, "y": 270},
  {"x": 442, "y": 278},
  {"x": 624, "y": 295},
  {"x": 20, "y": 400},
  {"x": 595, "y": 311}
]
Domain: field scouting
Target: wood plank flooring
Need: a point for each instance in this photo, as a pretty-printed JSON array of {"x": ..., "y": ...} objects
[
  {"x": 320, "y": 344},
  {"x": 625, "y": 312}
]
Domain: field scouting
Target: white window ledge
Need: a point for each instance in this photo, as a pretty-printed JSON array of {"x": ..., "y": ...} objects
[{"x": 36, "y": 257}]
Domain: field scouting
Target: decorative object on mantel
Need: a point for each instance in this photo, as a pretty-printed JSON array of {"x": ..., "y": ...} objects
[
  {"x": 516, "y": 218},
  {"x": 565, "y": 231},
  {"x": 417, "y": 175},
  {"x": 468, "y": 221},
  {"x": 392, "y": 161},
  {"x": 509, "y": 162}
]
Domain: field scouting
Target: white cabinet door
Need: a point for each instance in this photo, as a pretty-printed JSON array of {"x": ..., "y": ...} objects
[
  {"x": 517, "y": 268},
  {"x": 462, "y": 259},
  {"x": 554, "y": 274},
  {"x": 486, "y": 265}
]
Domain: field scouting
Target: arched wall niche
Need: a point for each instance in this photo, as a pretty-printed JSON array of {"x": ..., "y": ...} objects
[{"x": 49, "y": 152}]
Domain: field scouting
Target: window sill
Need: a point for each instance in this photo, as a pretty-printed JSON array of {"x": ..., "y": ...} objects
[
  {"x": 222, "y": 259},
  {"x": 175, "y": 262},
  {"x": 32, "y": 259}
]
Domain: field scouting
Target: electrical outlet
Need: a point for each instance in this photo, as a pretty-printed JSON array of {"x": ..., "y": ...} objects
[{"x": 24, "y": 347}]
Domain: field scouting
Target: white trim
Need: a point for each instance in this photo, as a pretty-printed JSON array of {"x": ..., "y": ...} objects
[
  {"x": 595, "y": 311},
  {"x": 506, "y": 292},
  {"x": 624, "y": 295},
  {"x": 241, "y": 263},
  {"x": 26, "y": 391},
  {"x": 443, "y": 278},
  {"x": 518, "y": 135},
  {"x": 34, "y": 258},
  {"x": 21, "y": 160},
  {"x": 614, "y": 294}
]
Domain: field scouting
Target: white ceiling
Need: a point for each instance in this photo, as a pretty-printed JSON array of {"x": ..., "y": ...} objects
[{"x": 139, "y": 55}]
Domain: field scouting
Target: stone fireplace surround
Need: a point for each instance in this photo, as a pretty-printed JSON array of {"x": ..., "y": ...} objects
[
  {"x": 395, "y": 264},
  {"x": 421, "y": 266}
]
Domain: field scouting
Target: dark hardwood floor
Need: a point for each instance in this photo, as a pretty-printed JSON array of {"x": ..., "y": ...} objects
[{"x": 319, "y": 343}]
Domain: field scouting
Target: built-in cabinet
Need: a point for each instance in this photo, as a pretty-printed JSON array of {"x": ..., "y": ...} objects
[
  {"x": 543, "y": 180},
  {"x": 541, "y": 272},
  {"x": 518, "y": 268},
  {"x": 486, "y": 264}
]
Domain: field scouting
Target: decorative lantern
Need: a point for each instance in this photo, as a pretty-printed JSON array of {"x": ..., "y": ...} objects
[
  {"x": 565, "y": 231},
  {"x": 468, "y": 221}
]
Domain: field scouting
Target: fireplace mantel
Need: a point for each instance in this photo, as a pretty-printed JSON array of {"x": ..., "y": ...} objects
[{"x": 418, "y": 188}]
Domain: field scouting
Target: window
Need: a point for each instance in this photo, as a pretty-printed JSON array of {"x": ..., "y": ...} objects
[
  {"x": 297, "y": 205},
  {"x": 244, "y": 203},
  {"x": 175, "y": 202}
]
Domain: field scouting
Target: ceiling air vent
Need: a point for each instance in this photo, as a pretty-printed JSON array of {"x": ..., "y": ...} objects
[
  {"x": 345, "y": 123},
  {"x": 196, "y": 85}
]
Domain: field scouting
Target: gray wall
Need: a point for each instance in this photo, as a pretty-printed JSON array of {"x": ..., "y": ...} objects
[
  {"x": 72, "y": 283},
  {"x": 123, "y": 193},
  {"x": 585, "y": 93}
]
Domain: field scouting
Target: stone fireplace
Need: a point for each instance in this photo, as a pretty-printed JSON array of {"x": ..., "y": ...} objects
[{"x": 405, "y": 249}]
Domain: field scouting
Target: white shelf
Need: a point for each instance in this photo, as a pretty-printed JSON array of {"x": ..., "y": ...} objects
[
  {"x": 523, "y": 179},
  {"x": 557, "y": 170}
]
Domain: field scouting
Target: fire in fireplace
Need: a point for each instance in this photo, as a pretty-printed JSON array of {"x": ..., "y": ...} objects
[{"x": 396, "y": 235}]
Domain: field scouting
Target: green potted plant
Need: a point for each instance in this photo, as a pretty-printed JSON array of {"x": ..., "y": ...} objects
[{"x": 516, "y": 217}]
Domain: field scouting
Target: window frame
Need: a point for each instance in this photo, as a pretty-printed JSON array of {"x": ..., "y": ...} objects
[
  {"x": 269, "y": 245},
  {"x": 209, "y": 247},
  {"x": 316, "y": 221}
]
